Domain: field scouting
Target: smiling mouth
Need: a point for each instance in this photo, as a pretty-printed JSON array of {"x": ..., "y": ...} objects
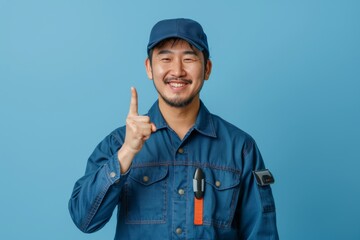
[{"x": 177, "y": 83}]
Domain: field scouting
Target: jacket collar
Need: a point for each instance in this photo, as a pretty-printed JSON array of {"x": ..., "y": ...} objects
[{"x": 204, "y": 123}]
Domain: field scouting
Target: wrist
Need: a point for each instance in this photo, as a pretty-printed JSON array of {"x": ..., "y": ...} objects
[{"x": 125, "y": 156}]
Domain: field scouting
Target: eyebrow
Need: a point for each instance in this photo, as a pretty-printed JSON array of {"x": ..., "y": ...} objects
[{"x": 165, "y": 51}]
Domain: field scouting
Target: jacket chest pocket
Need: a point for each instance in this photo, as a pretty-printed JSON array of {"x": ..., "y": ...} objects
[
  {"x": 146, "y": 194},
  {"x": 221, "y": 197}
]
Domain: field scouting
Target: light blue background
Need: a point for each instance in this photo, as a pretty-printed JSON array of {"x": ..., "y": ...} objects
[{"x": 287, "y": 72}]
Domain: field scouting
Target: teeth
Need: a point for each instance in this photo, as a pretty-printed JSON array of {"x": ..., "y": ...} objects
[{"x": 177, "y": 85}]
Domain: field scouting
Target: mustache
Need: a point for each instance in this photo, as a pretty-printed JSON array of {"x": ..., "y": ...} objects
[{"x": 169, "y": 79}]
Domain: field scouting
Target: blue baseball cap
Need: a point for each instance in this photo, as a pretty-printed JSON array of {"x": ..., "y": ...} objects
[{"x": 186, "y": 29}]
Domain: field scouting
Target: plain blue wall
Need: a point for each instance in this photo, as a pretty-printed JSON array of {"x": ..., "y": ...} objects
[{"x": 287, "y": 72}]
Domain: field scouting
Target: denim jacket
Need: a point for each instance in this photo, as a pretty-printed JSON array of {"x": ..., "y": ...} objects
[{"x": 155, "y": 198}]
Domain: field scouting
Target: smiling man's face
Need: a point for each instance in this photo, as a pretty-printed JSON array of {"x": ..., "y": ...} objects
[{"x": 178, "y": 71}]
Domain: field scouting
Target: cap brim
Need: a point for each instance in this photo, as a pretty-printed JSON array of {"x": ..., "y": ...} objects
[{"x": 152, "y": 45}]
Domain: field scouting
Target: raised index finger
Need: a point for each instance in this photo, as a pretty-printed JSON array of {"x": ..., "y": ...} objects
[{"x": 133, "y": 103}]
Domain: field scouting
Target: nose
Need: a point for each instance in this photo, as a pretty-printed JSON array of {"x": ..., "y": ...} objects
[{"x": 177, "y": 68}]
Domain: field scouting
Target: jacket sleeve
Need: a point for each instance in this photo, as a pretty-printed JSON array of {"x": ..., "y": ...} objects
[
  {"x": 256, "y": 206},
  {"x": 97, "y": 193}
]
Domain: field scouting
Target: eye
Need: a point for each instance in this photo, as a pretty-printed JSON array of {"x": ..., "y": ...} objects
[
  {"x": 165, "y": 59},
  {"x": 189, "y": 60}
]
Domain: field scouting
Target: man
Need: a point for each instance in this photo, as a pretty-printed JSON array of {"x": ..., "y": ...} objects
[{"x": 179, "y": 172}]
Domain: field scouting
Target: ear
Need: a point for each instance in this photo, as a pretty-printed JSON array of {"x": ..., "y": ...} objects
[
  {"x": 148, "y": 68},
  {"x": 208, "y": 67}
]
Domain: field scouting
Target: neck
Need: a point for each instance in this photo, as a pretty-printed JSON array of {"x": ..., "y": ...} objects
[{"x": 180, "y": 119}]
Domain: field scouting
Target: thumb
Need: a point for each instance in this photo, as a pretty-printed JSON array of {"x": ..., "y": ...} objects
[{"x": 153, "y": 127}]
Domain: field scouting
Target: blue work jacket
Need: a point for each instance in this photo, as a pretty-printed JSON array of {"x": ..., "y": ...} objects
[{"x": 155, "y": 198}]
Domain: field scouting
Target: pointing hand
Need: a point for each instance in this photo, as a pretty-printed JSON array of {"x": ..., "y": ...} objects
[{"x": 138, "y": 128}]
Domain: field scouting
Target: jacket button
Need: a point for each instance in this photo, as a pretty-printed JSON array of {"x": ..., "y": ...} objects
[
  {"x": 218, "y": 183},
  {"x": 181, "y": 150},
  {"x": 112, "y": 174},
  {"x": 178, "y": 231},
  {"x": 181, "y": 191},
  {"x": 145, "y": 178}
]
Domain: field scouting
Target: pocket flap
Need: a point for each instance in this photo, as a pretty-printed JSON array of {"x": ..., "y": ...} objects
[
  {"x": 221, "y": 179},
  {"x": 149, "y": 174}
]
